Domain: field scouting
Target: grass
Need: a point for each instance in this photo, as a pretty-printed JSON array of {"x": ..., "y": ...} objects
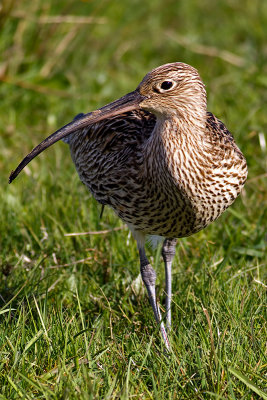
[{"x": 75, "y": 320}]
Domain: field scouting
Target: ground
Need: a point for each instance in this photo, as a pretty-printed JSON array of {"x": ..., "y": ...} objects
[{"x": 75, "y": 319}]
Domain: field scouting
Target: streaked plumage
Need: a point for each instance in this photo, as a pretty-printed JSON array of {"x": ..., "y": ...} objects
[
  {"x": 164, "y": 164},
  {"x": 120, "y": 172}
]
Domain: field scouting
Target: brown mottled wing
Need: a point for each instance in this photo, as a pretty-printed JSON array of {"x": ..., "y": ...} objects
[
  {"x": 218, "y": 127},
  {"x": 106, "y": 153},
  {"x": 126, "y": 130},
  {"x": 220, "y": 134}
]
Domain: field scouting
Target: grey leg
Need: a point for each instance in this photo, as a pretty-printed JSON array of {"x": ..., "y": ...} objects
[
  {"x": 149, "y": 278},
  {"x": 168, "y": 253}
]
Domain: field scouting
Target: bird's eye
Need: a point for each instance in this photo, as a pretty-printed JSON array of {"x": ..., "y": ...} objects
[{"x": 166, "y": 85}]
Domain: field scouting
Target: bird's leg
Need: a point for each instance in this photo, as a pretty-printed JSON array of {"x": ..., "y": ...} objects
[
  {"x": 149, "y": 278},
  {"x": 168, "y": 253}
]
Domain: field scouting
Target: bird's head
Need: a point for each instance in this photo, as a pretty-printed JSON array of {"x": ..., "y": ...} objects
[{"x": 174, "y": 89}]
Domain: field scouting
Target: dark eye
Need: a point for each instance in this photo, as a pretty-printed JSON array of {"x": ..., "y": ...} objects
[{"x": 166, "y": 85}]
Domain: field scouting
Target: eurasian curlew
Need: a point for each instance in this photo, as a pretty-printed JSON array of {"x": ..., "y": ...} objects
[{"x": 164, "y": 164}]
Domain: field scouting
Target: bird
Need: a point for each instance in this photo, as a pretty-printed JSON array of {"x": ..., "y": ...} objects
[{"x": 160, "y": 160}]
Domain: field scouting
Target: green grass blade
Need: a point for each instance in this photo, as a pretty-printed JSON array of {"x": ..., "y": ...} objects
[{"x": 247, "y": 382}]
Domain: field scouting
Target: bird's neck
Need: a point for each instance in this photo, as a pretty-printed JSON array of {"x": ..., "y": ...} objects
[
  {"x": 175, "y": 133},
  {"x": 173, "y": 142}
]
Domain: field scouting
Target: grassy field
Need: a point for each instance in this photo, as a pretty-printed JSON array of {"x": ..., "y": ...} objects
[{"x": 75, "y": 322}]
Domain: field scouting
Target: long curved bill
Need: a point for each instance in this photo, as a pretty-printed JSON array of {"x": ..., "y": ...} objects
[{"x": 129, "y": 102}]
